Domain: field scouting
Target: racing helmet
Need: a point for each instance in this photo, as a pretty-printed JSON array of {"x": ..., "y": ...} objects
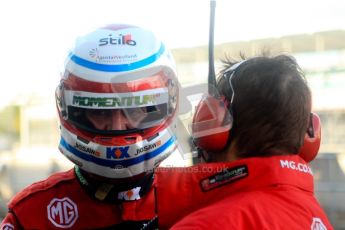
[{"x": 117, "y": 102}]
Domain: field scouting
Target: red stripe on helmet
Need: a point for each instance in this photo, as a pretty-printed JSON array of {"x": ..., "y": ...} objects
[
  {"x": 118, "y": 26},
  {"x": 76, "y": 83}
]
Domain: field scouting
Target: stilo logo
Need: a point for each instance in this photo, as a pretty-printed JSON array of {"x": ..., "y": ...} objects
[
  {"x": 120, "y": 40},
  {"x": 62, "y": 212}
]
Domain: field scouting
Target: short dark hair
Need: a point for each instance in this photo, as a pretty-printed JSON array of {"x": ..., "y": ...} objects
[{"x": 271, "y": 106}]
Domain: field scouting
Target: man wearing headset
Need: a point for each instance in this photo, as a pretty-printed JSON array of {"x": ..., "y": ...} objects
[
  {"x": 117, "y": 105},
  {"x": 256, "y": 134}
]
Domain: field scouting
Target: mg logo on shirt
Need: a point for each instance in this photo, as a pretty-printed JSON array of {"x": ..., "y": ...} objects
[
  {"x": 62, "y": 212},
  {"x": 7, "y": 227},
  {"x": 317, "y": 224}
]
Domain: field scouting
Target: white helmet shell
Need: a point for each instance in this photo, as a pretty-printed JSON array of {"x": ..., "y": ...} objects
[
  {"x": 115, "y": 49},
  {"x": 118, "y": 68}
]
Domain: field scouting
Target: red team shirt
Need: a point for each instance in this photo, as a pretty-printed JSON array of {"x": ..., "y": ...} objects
[
  {"x": 60, "y": 202},
  {"x": 253, "y": 193}
]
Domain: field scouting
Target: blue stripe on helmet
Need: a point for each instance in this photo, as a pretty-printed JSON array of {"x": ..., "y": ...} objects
[
  {"x": 114, "y": 163},
  {"x": 120, "y": 67}
]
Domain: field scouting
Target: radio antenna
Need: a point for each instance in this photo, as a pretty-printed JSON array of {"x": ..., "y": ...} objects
[{"x": 211, "y": 71}]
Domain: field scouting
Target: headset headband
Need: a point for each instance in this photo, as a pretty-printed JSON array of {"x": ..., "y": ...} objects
[{"x": 232, "y": 70}]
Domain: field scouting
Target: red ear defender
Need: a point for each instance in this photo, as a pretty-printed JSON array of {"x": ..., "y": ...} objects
[
  {"x": 212, "y": 119},
  {"x": 312, "y": 139},
  {"x": 211, "y": 124}
]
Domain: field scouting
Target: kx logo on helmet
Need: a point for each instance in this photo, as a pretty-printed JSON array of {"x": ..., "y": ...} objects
[
  {"x": 121, "y": 40},
  {"x": 117, "y": 152}
]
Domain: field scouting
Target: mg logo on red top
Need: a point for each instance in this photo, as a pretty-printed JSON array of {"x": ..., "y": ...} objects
[
  {"x": 62, "y": 212},
  {"x": 317, "y": 224},
  {"x": 7, "y": 227}
]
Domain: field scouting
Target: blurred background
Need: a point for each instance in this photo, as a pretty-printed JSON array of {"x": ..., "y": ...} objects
[{"x": 36, "y": 37}]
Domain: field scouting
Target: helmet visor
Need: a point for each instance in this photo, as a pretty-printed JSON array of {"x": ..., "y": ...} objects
[
  {"x": 108, "y": 121},
  {"x": 119, "y": 108}
]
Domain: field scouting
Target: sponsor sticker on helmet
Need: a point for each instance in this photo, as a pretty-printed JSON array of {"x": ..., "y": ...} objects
[
  {"x": 119, "y": 100},
  {"x": 117, "y": 152},
  {"x": 117, "y": 39},
  {"x": 148, "y": 147},
  {"x": 94, "y": 53},
  {"x": 62, "y": 212},
  {"x": 87, "y": 149}
]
